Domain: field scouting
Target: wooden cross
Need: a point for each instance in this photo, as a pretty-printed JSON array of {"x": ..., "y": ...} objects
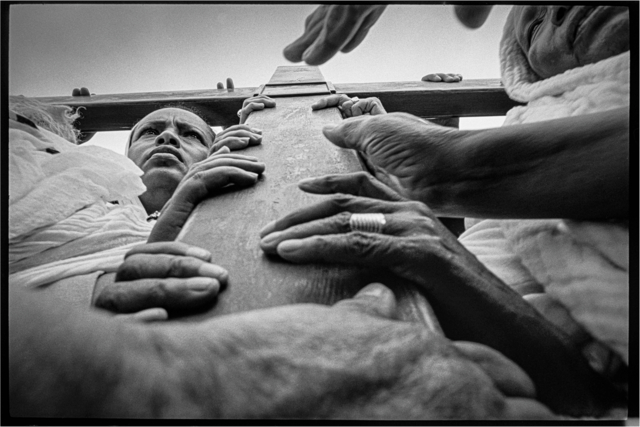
[{"x": 293, "y": 148}]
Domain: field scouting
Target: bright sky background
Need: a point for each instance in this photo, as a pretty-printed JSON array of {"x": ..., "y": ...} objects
[{"x": 124, "y": 48}]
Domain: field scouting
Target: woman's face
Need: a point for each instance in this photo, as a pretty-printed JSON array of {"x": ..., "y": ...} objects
[{"x": 559, "y": 38}]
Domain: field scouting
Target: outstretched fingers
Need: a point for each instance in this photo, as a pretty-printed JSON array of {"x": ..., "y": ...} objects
[
  {"x": 313, "y": 26},
  {"x": 167, "y": 293},
  {"x": 369, "y": 20},
  {"x": 159, "y": 265},
  {"x": 327, "y": 208},
  {"x": 170, "y": 248},
  {"x": 355, "y": 248},
  {"x": 357, "y": 184}
]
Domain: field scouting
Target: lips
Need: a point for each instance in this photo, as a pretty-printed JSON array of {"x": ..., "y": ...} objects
[{"x": 166, "y": 150}]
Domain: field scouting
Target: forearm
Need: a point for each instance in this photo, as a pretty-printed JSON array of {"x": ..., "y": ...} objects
[
  {"x": 473, "y": 305},
  {"x": 576, "y": 167},
  {"x": 172, "y": 218},
  {"x": 74, "y": 363}
]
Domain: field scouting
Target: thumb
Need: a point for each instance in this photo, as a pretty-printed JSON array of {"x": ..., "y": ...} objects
[
  {"x": 350, "y": 133},
  {"x": 223, "y": 150},
  {"x": 374, "y": 299}
]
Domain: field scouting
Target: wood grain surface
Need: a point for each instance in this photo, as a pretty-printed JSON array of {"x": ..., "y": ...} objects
[{"x": 228, "y": 224}]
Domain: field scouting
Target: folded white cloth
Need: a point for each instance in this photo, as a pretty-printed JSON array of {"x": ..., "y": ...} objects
[
  {"x": 583, "y": 265},
  {"x": 46, "y": 188}
]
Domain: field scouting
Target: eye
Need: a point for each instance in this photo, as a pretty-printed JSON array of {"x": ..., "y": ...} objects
[
  {"x": 148, "y": 131},
  {"x": 194, "y": 135}
]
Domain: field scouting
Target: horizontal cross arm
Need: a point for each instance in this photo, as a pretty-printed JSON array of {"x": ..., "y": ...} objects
[{"x": 470, "y": 98}]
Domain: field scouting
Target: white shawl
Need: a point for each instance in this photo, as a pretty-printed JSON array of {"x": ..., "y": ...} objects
[{"x": 61, "y": 223}]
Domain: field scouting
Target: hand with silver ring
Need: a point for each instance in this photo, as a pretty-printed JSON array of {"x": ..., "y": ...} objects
[
  {"x": 471, "y": 303},
  {"x": 403, "y": 236},
  {"x": 369, "y": 222},
  {"x": 351, "y": 107}
]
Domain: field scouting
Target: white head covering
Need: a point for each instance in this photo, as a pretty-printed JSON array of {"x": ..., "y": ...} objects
[{"x": 517, "y": 75}]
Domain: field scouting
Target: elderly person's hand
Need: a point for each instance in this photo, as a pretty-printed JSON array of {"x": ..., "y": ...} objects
[
  {"x": 159, "y": 277},
  {"x": 471, "y": 303},
  {"x": 351, "y": 107},
  {"x": 481, "y": 173},
  {"x": 326, "y": 358},
  {"x": 413, "y": 243},
  {"x": 349, "y": 361},
  {"x": 203, "y": 180},
  {"x": 414, "y": 157}
]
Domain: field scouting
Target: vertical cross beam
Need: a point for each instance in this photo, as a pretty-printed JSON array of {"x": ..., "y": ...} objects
[{"x": 293, "y": 148}]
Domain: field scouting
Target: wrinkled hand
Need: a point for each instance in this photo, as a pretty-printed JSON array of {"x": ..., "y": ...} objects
[
  {"x": 203, "y": 180},
  {"x": 353, "y": 360},
  {"x": 351, "y": 107},
  {"x": 254, "y": 103},
  {"x": 332, "y": 28},
  {"x": 442, "y": 77},
  {"x": 471, "y": 303},
  {"x": 413, "y": 245},
  {"x": 161, "y": 277},
  {"x": 416, "y": 158}
]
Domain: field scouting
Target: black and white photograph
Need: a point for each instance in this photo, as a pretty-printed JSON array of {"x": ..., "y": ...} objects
[{"x": 276, "y": 213}]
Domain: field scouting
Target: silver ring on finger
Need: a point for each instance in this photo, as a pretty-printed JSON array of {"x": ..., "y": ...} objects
[
  {"x": 355, "y": 99},
  {"x": 369, "y": 222}
]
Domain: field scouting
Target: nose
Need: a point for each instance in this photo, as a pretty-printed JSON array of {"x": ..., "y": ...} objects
[
  {"x": 558, "y": 13},
  {"x": 168, "y": 137}
]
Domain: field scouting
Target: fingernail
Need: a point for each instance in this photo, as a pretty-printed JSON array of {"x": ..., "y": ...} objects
[
  {"x": 267, "y": 229},
  {"x": 270, "y": 238},
  {"x": 200, "y": 253},
  {"x": 306, "y": 181},
  {"x": 256, "y": 130},
  {"x": 328, "y": 129},
  {"x": 374, "y": 290},
  {"x": 201, "y": 284},
  {"x": 212, "y": 270},
  {"x": 290, "y": 246}
]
